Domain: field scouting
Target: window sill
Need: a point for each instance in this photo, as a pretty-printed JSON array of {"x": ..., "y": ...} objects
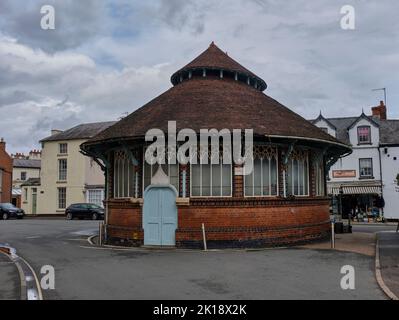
[
  {"x": 366, "y": 178},
  {"x": 61, "y": 182},
  {"x": 62, "y": 155},
  {"x": 365, "y": 144}
]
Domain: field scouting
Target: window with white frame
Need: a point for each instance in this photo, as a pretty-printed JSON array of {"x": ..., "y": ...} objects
[
  {"x": 318, "y": 167},
  {"x": 298, "y": 173},
  {"x": 25, "y": 194},
  {"x": 125, "y": 176},
  {"x": 211, "y": 179},
  {"x": 23, "y": 175},
  {"x": 366, "y": 168},
  {"x": 63, "y": 148},
  {"x": 62, "y": 169},
  {"x": 95, "y": 196},
  {"x": 61, "y": 198},
  {"x": 364, "y": 134},
  {"x": 263, "y": 181}
]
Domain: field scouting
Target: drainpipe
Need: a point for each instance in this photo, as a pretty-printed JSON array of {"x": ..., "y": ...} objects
[
  {"x": 382, "y": 185},
  {"x": 106, "y": 202}
]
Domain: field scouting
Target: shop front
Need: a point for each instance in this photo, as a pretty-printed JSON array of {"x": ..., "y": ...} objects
[{"x": 361, "y": 200}]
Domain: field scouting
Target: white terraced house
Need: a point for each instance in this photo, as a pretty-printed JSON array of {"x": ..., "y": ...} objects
[
  {"x": 372, "y": 170},
  {"x": 67, "y": 176}
]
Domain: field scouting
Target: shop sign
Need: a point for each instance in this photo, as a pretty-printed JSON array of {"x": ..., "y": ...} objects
[{"x": 344, "y": 173}]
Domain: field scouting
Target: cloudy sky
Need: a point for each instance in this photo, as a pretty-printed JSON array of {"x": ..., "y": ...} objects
[{"x": 106, "y": 58}]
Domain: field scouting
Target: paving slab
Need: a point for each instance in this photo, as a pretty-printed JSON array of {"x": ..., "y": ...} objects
[{"x": 9, "y": 279}]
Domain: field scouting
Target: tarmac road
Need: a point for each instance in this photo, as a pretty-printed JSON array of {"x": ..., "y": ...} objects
[{"x": 84, "y": 272}]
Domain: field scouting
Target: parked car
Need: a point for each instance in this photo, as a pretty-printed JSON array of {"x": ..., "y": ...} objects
[
  {"x": 84, "y": 211},
  {"x": 8, "y": 210}
]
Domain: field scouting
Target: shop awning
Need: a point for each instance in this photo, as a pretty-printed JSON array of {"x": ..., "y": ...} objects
[
  {"x": 334, "y": 190},
  {"x": 16, "y": 191}
]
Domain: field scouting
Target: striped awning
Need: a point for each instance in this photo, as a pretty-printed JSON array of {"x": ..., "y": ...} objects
[
  {"x": 16, "y": 191},
  {"x": 334, "y": 190}
]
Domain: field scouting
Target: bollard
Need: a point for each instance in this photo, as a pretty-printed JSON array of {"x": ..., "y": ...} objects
[
  {"x": 332, "y": 236},
  {"x": 100, "y": 234},
  {"x": 204, "y": 237}
]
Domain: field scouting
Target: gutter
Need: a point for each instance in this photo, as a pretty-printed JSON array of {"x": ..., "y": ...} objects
[{"x": 310, "y": 139}]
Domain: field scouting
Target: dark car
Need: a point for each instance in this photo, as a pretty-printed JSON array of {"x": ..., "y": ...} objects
[
  {"x": 84, "y": 211},
  {"x": 8, "y": 210}
]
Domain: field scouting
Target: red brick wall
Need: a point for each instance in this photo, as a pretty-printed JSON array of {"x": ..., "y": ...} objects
[
  {"x": 277, "y": 223},
  {"x": 125, "y": 221},
  {"x": 6, "y": 167},
  {"x": 231, "y": 222}
]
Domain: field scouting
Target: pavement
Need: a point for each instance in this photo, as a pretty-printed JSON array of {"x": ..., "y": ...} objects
[
  {"x": 389, "y": 259},
  {"x": 9, "y": 279},
  {"x": 86, "y": 272}
]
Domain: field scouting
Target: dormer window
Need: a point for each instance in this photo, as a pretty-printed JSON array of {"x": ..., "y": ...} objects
[{"x": 364, "y": 134}]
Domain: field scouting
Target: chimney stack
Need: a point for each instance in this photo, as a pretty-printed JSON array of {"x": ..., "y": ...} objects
[
  {"x": 55, "y": 131},
  {"x": 35, "y": 154},
  {"x": 380, "y": 111},
  {"x": 2, "y": 144}
]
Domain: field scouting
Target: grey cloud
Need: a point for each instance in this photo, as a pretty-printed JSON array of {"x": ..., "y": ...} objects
[
  {"x": 298, "y": 47},
  {"x": 15, "y": 96},
  {"x": 76, "y": 23}
]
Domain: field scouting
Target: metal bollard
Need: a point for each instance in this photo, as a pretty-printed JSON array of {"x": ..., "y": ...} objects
[
  {"x": 204, "y": 237},
  {"x": 332, "y": 235}
]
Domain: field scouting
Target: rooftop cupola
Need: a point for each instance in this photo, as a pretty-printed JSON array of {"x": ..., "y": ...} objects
[{"x": 214, "y": 63}]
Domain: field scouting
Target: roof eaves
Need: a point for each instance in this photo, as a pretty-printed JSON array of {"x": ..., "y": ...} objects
[
  {"x": 320, "y": 117},
  {"x": 363, "y": 116}
]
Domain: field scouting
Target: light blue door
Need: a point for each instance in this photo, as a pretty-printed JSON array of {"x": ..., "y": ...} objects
[{"x": 160, "y": 216}]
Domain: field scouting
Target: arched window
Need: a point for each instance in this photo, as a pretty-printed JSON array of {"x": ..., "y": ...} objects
[
  {"x": 298, "y": 173},
  {"x": 318, "y": 167},
  {"x": 125, "y": 176},
  {"x": 263, "y": 181}
]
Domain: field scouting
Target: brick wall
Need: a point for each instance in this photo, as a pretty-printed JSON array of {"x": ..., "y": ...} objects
[
  {"x": 252, "y": 222},
  {"x": 125, "y": 222},
  {"x": 230, "y": 222},
  {"x": 6, "y": 167}
]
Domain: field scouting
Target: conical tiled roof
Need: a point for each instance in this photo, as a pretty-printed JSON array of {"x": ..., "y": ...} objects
[
  {"x": 213, "y": 58},
  {"x": 207, "y": 102}
]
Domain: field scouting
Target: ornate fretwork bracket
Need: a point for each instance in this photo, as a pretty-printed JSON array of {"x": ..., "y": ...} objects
[
  {"x": 131, "y": 155},
  {"x": 289, "y": 152}
]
